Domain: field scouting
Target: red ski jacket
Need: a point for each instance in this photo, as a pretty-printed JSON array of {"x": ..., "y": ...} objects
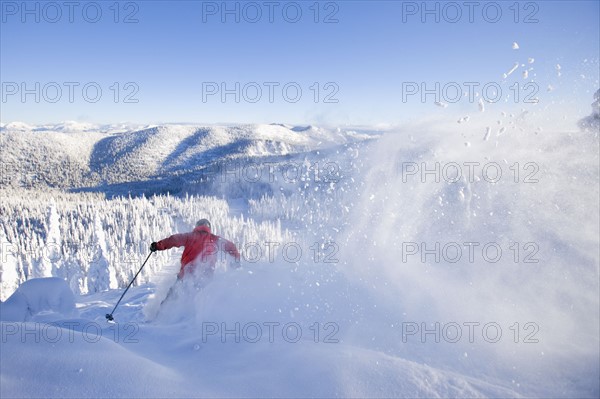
[{"x": 201, "y": 248}]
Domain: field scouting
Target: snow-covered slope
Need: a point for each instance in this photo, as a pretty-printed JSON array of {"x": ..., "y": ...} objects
[
  {"x": 363, "y": 294},
  {"x": 218, "y": 343}
]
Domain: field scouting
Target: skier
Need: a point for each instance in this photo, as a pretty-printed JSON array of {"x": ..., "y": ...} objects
[{"x": 200, "y": 253}]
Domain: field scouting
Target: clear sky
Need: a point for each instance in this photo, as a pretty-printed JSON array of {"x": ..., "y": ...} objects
[{"x": 335, "y": 63}]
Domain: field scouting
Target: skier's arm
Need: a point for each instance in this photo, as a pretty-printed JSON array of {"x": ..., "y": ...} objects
[
  {"x": 176, "y": 240},
  {"x": 230, "y": 248}
]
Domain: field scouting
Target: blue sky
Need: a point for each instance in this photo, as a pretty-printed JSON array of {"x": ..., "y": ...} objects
[{"x": 175, "y": 58}]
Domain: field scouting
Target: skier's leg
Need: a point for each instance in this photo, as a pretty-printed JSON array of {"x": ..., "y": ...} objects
[{"x": 172, "y": 294}]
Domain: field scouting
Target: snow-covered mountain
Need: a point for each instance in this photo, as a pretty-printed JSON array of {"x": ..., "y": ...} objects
[
  {"x": 101, "y": 158},
  {"x": 423, "y": 262}
]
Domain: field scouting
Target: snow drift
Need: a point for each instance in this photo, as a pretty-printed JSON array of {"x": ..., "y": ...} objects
[{"x": 39, "y": 298}]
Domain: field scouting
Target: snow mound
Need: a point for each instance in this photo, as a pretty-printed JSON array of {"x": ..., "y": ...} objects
[
  {"x": 69, "y": 363},
  {"x": 39, "y": 298}
]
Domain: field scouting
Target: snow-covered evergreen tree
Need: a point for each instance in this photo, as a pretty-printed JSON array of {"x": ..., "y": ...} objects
[
  {"x": 50, "y": 253},
  {"x": 591, "y": 123},
  {"x": 9, "y": 267},
  {"x": 99, "y": 274}
]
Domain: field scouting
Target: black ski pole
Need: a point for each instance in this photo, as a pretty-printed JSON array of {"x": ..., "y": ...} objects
[{"x": 109, "y": 316}]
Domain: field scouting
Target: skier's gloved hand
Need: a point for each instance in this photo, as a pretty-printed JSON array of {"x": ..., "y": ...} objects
[{"x": 153, "y": 247}]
